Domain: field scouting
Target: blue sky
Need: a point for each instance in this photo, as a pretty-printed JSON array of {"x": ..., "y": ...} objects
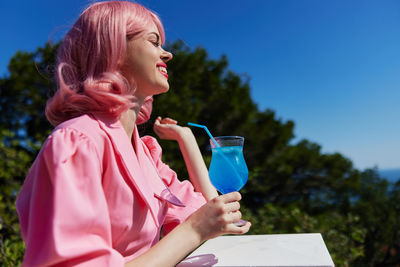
[{"x": 333, "y": 67}]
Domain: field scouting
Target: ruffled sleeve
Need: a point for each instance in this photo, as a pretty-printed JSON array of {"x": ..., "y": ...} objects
[
  {"x": 182, "y": 189},
  {"x": 62, "y": 206}
]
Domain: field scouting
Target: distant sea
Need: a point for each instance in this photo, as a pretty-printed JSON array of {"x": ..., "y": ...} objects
[{"x": 392, "y": 175}]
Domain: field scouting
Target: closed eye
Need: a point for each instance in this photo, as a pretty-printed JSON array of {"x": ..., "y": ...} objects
[
  {"x": 156, "y": 44},
  {"x": 154, "y": 39}
]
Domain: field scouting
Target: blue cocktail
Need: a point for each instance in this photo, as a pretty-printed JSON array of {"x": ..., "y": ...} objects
[{"x": 228, "y": 170}]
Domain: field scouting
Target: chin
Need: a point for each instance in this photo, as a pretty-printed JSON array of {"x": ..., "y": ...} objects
[{"x": 163, "y": 89}]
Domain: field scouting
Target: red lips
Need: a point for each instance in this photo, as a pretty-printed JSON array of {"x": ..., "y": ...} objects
[{"x": 162, "y": 68}]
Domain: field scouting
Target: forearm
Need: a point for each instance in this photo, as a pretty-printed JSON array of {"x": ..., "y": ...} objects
[
  {"x": 171, "y": 249},
  {"x": 215, "y": 218},
  {"x": 196, "y": 167}
]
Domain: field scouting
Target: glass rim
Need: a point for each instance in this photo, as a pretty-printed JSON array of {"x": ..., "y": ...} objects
[
  {"x": 225, "y": 141},
  {"x": 232, "y": 137}
]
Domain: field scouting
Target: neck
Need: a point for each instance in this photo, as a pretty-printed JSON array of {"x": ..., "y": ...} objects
[{"x": 128, "y": 118}]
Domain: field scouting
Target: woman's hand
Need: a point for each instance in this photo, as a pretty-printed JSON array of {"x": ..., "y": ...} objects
[
  {"x": 168, "y": 129},
  {"x": 217, "y": 217}
]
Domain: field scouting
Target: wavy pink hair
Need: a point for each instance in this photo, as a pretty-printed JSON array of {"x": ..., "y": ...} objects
[{"x": 89, "y": 61}]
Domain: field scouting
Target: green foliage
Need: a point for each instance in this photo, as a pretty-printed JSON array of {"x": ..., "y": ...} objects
[
  {"x": 13, "y": 167},
  {"x": 292, "y": 188},
  {"x": 378, "y": 206},
  {"x": 23, "y": 94}
]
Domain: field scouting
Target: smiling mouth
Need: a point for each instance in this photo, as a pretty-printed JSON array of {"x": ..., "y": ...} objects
[{"x": 163, "y": 70}]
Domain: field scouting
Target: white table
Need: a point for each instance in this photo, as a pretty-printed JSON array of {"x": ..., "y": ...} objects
[{"x": 288, "y": 250}]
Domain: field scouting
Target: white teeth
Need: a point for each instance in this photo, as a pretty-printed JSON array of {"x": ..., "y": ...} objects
[{"x": 162, "y": 69}]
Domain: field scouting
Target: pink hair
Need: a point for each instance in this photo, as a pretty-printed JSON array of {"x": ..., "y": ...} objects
[
  {"x": 145, "y": 111},
  {"x": 89, "y": 60}
]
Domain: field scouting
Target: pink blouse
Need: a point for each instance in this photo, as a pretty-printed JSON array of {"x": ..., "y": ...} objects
[{"x": 91, "y": 198}]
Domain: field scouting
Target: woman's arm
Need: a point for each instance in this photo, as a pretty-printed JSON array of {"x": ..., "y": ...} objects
[
  {"x": 168, "y": 129},
  {"x": 213, "y": 219}
]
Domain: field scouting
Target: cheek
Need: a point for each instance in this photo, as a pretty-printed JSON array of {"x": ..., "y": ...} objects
[
  {"x": 140, "y": 64},
  {"x": 134, "y": 69}
]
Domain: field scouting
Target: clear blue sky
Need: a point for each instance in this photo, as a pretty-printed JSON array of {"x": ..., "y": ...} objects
[{"x": 333, "y": 67}]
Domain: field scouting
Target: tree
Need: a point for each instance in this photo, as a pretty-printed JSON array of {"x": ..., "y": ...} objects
[
  {"x": 23, "y": 128},
  {"x": 13, "y": 166},
  {"x": 378, "y": 205},
  {"x": 24, "y": 93}
]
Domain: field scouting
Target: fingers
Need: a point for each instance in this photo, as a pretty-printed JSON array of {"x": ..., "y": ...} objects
[
  {"x": 157, "y": 121},
  {"x": 231, "y": 197},
  {"x": 232, "y": 207},
  {"x": 167, "y": 128},
  {"x": 238, "y": 230},
  {"x": 228, "y": 207},
  {"x": 166, "y": 120},
  {"x": 157, "y": 125},
  {"x": 169, "y": 121},
  {"x": 235, "y": 225},
  {"x": 232, "y": 217}
]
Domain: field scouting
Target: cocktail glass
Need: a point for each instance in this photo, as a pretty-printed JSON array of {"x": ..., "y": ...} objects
[{"x": 228, "y": 170}]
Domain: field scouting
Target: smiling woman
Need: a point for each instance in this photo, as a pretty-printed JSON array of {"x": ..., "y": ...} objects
[
  {"x": 98, "y": 194},
  {"x": 144, "y": 62}
]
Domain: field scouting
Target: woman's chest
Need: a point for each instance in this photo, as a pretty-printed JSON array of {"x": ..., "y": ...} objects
[{"x": 134, "y": 227}]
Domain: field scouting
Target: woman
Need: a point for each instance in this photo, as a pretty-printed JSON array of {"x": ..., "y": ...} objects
[{"x": 98, "y": 194}]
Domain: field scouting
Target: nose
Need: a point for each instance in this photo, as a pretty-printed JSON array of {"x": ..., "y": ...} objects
[{"x": 166, "y": 56}]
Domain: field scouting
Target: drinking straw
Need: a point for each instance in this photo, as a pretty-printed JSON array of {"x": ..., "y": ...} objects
[{"x": 207, "y": 131}]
